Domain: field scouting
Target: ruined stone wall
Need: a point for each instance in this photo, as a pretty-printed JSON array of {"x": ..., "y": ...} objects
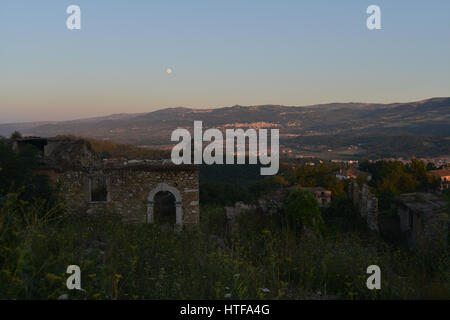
[
  {"x": 366, "y": 203},
  {"x": 129, "y": 189},
  {"x": 423, "y": 220}
]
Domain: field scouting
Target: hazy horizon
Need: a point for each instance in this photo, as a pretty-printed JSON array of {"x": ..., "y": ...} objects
[{"x": 218, "y": 107}]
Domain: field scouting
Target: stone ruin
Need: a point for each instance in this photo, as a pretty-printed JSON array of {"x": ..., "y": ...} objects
[
  {"x": 423, "y": 219},
  {"x": 273, "y": 202},
  {"x": 366, "y": 203},
  {"x": 132, "y": 188}
]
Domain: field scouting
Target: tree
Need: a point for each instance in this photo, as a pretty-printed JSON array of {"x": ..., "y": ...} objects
[
  {"x": 426, "y": 180},
  {"x": 304, "y": 211},
  {"x": 16, "y": 135},
  {"x": 322, "y": 175},
  {"x": 17, "y": 173}
]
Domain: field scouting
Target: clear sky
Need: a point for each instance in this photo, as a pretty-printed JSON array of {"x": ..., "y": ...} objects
[{"x": 222, "y": 53}]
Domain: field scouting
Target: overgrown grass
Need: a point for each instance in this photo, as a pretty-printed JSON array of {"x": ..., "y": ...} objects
[{"x": 260, "y": 258}]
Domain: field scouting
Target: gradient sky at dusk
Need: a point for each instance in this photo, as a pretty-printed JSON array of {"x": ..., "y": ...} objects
[{"x": 222, "y": 53}]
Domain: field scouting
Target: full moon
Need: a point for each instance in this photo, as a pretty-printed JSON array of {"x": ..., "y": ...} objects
[{"x": 169, "y": 71}]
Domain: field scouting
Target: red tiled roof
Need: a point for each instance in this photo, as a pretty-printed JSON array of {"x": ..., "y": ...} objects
[{"x": 442, "y": 172}]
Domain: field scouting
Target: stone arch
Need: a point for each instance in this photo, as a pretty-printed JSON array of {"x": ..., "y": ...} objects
[{"x": 178, "y": 203}]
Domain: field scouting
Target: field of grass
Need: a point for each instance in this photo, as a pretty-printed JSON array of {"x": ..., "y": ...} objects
[{"x": 261, "y": 257}]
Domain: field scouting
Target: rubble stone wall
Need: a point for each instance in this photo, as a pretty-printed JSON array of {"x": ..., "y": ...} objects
[
  {"x": 129, "y": 190},
  {"x": 366, "y": 203}
]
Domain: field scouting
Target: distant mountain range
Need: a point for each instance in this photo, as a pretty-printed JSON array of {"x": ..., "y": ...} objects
[{"x": 329, "y": 125}]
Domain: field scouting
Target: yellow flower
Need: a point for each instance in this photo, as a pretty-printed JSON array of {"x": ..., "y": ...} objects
[
  {"x": 92, "y": 275},
  {"x": 118, "y": 276}
]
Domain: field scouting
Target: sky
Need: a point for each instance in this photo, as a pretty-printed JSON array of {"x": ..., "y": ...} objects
[{"x": 220, "y": 53}]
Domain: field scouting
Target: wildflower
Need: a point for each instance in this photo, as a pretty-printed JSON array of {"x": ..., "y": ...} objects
[
  {"x": 236, "y": 275},
  {"x": 265, "y": 290},
  {"x": 227, "y": 295},
  {"x": 118, "y": 276}
]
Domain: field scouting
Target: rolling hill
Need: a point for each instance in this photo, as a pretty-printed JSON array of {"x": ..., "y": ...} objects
[{"x": 331, "y": 125}]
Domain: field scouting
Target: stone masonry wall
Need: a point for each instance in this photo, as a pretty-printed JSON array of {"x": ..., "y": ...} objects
[
  {"x": 366, "y": 203},
  {"x": 128, "y": 191}
]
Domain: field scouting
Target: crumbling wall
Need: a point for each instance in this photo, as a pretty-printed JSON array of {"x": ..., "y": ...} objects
[
  {"x": 67, "y": 154},
  {"x": 366, "y": 203}
]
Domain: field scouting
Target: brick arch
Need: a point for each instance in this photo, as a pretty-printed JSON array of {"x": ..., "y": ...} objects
[{"x": 178, "y": 203}]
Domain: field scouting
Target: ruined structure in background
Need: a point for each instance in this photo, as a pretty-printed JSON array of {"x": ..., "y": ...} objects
[
  {"x": 131, "y": 188},
  {"x": 423, "y": 219},
  {"x": 273, "y": 202},
  {"x": 270, "y": 203},
  {"x": 322, "y": 195},
  {"x": 366, "y": 203}
]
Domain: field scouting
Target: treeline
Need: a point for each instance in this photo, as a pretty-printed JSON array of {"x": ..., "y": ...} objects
[{"x": 391, "y": 178}]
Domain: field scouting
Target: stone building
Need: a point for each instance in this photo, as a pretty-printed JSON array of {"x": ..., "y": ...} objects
[
  {"x": 133, "y": 188},
  {"x": 423, "y": 219},
  {"x": 366, "y": 203}
]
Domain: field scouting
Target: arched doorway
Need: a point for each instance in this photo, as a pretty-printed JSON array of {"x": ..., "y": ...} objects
[
  {"x": 164, "y": 189},
  {"x": 164, "y": 210}
]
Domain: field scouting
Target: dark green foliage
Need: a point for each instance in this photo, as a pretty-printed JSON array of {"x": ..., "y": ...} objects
[
  {"x": 391, "y": 178},
  {"x": 275, "y": 252},
  {"x": 342, "y": 215},
  {"x": 17, "y": 174},
  {"x": 323, "y": 175},
  {"x": 244, "y": 174},
  {"x": 16, "y": 135},
  {"x": 128, "y": 261},
  {"x": 222, "y": 194},
  {"x": 303, "y": 211},
  {"x": 227, "y": 194}
]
